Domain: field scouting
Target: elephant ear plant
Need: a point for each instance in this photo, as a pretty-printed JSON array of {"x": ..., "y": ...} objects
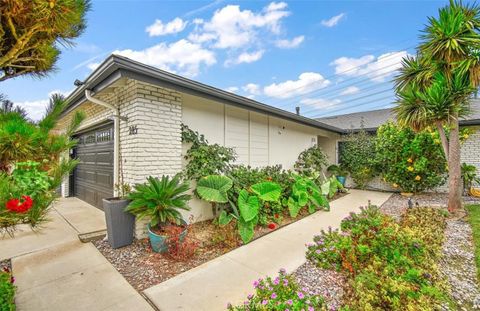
[
  {"x": 214, "y": 189},
  {"x": 160, "y": 200},
  {"x": 305, "y": 193}
]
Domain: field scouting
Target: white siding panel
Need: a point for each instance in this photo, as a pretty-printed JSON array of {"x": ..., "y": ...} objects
[
  {"x": 258, "y": 139},
  {"x": 237, "y": 132}
]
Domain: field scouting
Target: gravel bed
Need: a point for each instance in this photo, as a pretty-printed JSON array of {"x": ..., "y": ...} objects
[
  {"x": 327, "y": 283},
  {"x": 143, "y": 268},
  {"x": 458, "y": 265},
  {"x": 7, "y": 263},
  {"x": 397, "y": 203}
]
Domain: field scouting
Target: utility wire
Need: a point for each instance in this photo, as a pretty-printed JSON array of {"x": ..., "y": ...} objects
[
  {"x": 345, "y": 71},
  {"x": 350, "y": 107},
  {"x": 354, "y": 100}
]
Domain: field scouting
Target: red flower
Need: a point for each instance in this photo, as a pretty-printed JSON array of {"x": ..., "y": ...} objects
[
  {"x": 276, "y": 216},
  {"x": 14, "y": 205},
  {"x": 271, "y": 226}
]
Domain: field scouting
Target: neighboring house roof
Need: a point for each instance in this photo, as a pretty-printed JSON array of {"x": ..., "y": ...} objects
[
  {"x": 371, "y": 120},
  {"x": 116, "y": 67}
]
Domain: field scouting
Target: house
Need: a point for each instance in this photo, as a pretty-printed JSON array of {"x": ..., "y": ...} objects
[
  {"x": 133, "y": 129},
  {"x": 370, "y": 121}
]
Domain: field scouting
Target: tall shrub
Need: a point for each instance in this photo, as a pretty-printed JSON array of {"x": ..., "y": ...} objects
[
  {"x": 203, "y": 158},
  {"x": 311, "y": 161},
  {"x": 358, "y": 157},
  {"x": 412, "y": 162}
]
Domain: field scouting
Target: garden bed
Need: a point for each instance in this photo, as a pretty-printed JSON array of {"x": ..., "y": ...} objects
[
  {"x": 143, "y": 268},
  {"x": 456, "y": 264}
]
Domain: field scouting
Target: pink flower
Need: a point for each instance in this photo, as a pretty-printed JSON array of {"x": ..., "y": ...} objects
[
  {"x": 264, "y": 302},
  {"x": 300, "y": 295},
  {"x": 273, "y": 296}
]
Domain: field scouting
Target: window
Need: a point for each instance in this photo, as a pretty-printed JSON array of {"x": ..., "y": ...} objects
[{"x": 103, "y": 136}]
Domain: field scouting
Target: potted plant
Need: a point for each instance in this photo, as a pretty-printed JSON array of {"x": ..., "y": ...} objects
[
  {"x": 160, "y": 200},
  {"x": 339, "y": 172},
  {"x": 120, "y": 224}
]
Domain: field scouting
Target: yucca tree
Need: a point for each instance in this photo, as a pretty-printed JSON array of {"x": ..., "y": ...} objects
[{"x": 435, "y": 87}]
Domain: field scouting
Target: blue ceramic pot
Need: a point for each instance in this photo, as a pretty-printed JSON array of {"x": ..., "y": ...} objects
[
  {"x": 342, "y": 180},
  {"x": 159, "y": 242}
]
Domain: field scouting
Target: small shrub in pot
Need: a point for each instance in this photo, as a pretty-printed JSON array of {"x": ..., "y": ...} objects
[{"x": 160, "y": 200}]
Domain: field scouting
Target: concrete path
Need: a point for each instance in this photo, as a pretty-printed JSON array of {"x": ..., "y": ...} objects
[
  {"x": 55, "y": 271},
  {"x": 229, "y": 278}
]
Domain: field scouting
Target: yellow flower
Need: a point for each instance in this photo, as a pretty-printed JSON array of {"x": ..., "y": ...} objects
[
  {"x": 417, "y": 178},
  {"x": 437, "y": 141},
  {"x": 409, "y": 160},
  {"x": 410, "y": 168},
  {"x": 429, "y": 129},
  {"x": 395, "y": 185},
  {"x": 465, "y": 136}
]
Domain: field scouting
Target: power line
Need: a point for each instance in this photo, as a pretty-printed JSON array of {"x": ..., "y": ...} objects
[
  {"x": 331, "y": 91},
  {"x": 356, "y": 99},
  {"x": 342, "y": 72},
  {"x": 354, "y": 106}
]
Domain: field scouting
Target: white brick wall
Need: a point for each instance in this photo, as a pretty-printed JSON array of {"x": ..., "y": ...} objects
[{"x": 156, "y": 148}]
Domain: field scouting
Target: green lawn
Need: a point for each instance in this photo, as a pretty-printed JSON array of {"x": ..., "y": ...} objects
[{"x": 474, "y": 219}]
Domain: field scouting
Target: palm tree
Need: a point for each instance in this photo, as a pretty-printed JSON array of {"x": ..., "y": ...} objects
[{"x": 435, "y": 87}]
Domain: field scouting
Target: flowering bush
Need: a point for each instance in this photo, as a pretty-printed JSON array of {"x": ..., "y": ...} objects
[
  {"x": 390, "y": 266},
  {"x": 412, "y": 162},
  {"x": 7, "y": 291},
  {"x": 281, "y": 293},
  {"x": 25, "y": 196}
]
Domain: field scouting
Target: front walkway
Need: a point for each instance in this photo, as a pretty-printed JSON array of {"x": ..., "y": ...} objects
[
  {"x": 55, "y": 271},
  {"x": 229, "y": 278}
]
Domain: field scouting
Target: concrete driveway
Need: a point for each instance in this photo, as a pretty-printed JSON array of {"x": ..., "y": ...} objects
[{"x": 55, "y": 271}]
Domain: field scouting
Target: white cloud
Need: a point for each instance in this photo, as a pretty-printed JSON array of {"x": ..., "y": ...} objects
[
  {"x": 333, "y": 21},
  {"x": 290, "y": 44},
  {"x": 158, "y": 28},
  {"x": 36, "y": 108},
  {"x": 182, "y": 57},
  {"x": 252, "y": 88},
  {"x": 350, "y": 90},
  {"x": 93, "y": 66},
  {"x": 377, "y": 69},
  {"x": 232, "y": 89},
  {"x": 231, "y": 27},
  {"x": 320, "y": 103},
  {"x": 245, "y": 57},
  {"x": 307, "y": 82}
]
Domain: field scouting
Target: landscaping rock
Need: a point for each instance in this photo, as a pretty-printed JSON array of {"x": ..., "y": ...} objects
[
  {"x": 327, "y": 283},
  {"x": 458, "y": 265}
]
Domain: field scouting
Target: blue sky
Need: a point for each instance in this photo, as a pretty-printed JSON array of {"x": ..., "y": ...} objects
[{"x": 328, "y": 57}]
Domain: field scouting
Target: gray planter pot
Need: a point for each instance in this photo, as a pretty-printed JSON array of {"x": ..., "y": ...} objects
[{"x": 120, "y": 224}]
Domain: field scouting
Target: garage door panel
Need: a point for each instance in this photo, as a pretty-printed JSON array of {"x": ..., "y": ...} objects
[{"x": 93, "y": 176}]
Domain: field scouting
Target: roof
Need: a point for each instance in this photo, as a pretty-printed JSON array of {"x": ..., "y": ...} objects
[
  {"x": 371, "y": 120},
  {"x": 116, "y": 67}
]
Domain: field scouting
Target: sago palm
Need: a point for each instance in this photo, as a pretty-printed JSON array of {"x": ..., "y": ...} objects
[
  {"x": 160, "y": 200},
  {"x": 434, "y": 88}
]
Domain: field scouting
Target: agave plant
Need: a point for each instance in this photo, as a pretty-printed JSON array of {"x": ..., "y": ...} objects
[{"x": 160, "y": 199}]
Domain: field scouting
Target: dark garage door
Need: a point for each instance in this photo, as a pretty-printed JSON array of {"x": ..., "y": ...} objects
[{"x": 93, "y": 177}]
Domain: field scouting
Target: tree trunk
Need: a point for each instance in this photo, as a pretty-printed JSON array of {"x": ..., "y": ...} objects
[
  {"x": 443, "y": 137},
  {"x": 454, "y": 170}
]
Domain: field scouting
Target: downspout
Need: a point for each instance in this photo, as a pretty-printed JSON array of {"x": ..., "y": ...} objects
[{"x": 116, "y": 136}]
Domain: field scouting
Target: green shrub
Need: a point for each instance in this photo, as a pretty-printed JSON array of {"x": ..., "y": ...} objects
[
  {"x": 390, "y": 266},
  {"x": 414, "y": 162},
  {"x": 281, "y": 293},
  {"x": 305, "y": 193},
  {"x": 7, "y": 292},
  {"x": 311, "y": 162},
  {"x": 357, "y": 157},
  {"x": 205, "y": 159}
]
